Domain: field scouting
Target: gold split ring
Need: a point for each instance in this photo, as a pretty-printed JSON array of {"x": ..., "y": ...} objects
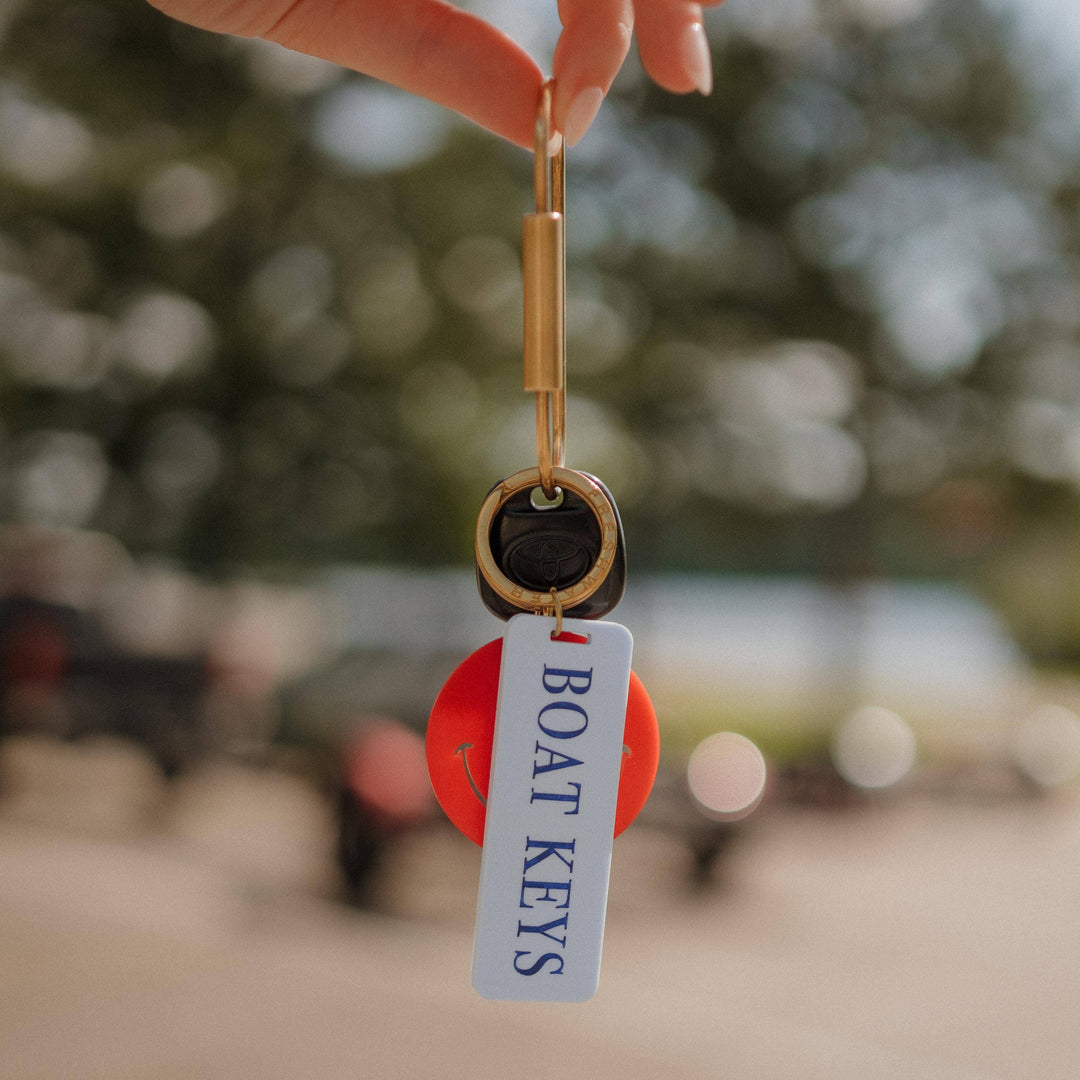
[{"x": 531, "y": 599}]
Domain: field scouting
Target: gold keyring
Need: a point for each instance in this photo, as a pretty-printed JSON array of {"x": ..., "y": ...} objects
[
  {"x": 556, "y": 610},
  {"x": 530, "y": 599}
]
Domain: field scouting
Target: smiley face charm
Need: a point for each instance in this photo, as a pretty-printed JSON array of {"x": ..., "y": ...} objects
[{"x": 462, "y": 725}]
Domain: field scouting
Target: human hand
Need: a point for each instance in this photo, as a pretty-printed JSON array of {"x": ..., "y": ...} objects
[{"x": 438, "y": 51}]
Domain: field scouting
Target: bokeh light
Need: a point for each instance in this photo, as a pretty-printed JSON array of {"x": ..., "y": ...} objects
[
  {"x": 292, "y": 285},
  {"x": 727, "y": 774},
  {"x": 182, "y": 458},
  {"x": 275, "y": 68},
  {"x": 165, "y": 334},
  {"x": 181, "y": 200},
  {"x": 375, "y": 129},
  {"x": 47, "y": 345},
  {"x": 41, "y": 144},
  {"x": 1047, "y": 746},
  {"x": 874, "y": 747},
  {"x": 58, "y": 478},
  {"x": 386, "y": 769}
]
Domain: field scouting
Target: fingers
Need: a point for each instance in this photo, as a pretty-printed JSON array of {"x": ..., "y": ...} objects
[
  {"x": 673, "y": 46},
  {"x": 427, "y": 47},
  {"x": 594, "y": 43},
  {"x": 438, "y": 51}
]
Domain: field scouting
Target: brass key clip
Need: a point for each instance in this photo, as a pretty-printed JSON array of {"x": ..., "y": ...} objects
[{"x": 544, "y": 272}]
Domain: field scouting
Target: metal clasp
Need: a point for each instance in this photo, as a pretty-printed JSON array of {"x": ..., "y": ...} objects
[{"x": 544, "y": 272}]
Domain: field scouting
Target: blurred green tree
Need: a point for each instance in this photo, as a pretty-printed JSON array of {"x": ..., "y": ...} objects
[{"x": 258, "y": 310}]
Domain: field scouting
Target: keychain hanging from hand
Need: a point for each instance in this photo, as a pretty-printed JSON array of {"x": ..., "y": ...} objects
[{"x": 543, "y": 745}]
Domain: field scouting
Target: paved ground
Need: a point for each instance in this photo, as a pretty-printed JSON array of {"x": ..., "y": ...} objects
[{"x": 921, "y": 941}]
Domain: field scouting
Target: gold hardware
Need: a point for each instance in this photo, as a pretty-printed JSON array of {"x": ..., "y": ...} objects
[
  {"x": 530, "y": 599},
  {"x": 557, "y": 608},
  {"x": 544, "y": 280}
]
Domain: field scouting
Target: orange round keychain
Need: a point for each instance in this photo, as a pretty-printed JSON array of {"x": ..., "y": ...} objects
[{"x": 459, "y": 742}]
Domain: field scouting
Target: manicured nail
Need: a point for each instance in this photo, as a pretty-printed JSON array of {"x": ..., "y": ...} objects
[
  {"x": 696, "y": 58},
  {"x": 581, "y": 113}
]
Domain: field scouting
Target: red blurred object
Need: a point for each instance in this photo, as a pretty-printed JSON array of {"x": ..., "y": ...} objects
[
  {"x": 35, "y": 651},
  {"x": 385, "y": 769}
]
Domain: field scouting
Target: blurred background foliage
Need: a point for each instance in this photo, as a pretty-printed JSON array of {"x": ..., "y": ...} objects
[{"x": 257, "y": 311}]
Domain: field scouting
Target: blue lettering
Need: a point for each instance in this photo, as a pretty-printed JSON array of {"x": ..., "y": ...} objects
[
  {"x": 552, "y": 796},
  {"x": 547, "y": 898},
  {"x": 538, "y": 964},
  {"x": 568, "y": 678},
  {"x": 569, "y": 733},
  {"x": 555, "y": 761},
  {"x": 555, "y": 923},
  {"x": 551, "y": 847}
]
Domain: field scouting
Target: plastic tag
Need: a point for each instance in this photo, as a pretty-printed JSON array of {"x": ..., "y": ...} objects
[{"x": 551, "y": 809}]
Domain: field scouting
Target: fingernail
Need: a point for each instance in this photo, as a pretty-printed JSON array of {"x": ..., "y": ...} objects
[
  {"x": 554, "y": 144},
  {"x": 696, "y": 58},
  {"x": 581, "y": 113}
]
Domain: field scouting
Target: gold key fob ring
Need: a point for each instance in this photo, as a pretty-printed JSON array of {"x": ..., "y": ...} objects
[
  {"x": 518, "y": 596},
  {"x": 566, "y": 553}
]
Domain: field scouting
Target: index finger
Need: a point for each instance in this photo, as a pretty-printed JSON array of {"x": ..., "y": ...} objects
[{"x": 426, "y": 47}]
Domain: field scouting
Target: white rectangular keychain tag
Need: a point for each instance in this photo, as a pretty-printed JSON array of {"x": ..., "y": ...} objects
[{"x": 555, "y": 766}]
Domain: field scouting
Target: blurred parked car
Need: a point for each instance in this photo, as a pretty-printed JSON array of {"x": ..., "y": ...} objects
[{"x": 60, "y": 674}]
